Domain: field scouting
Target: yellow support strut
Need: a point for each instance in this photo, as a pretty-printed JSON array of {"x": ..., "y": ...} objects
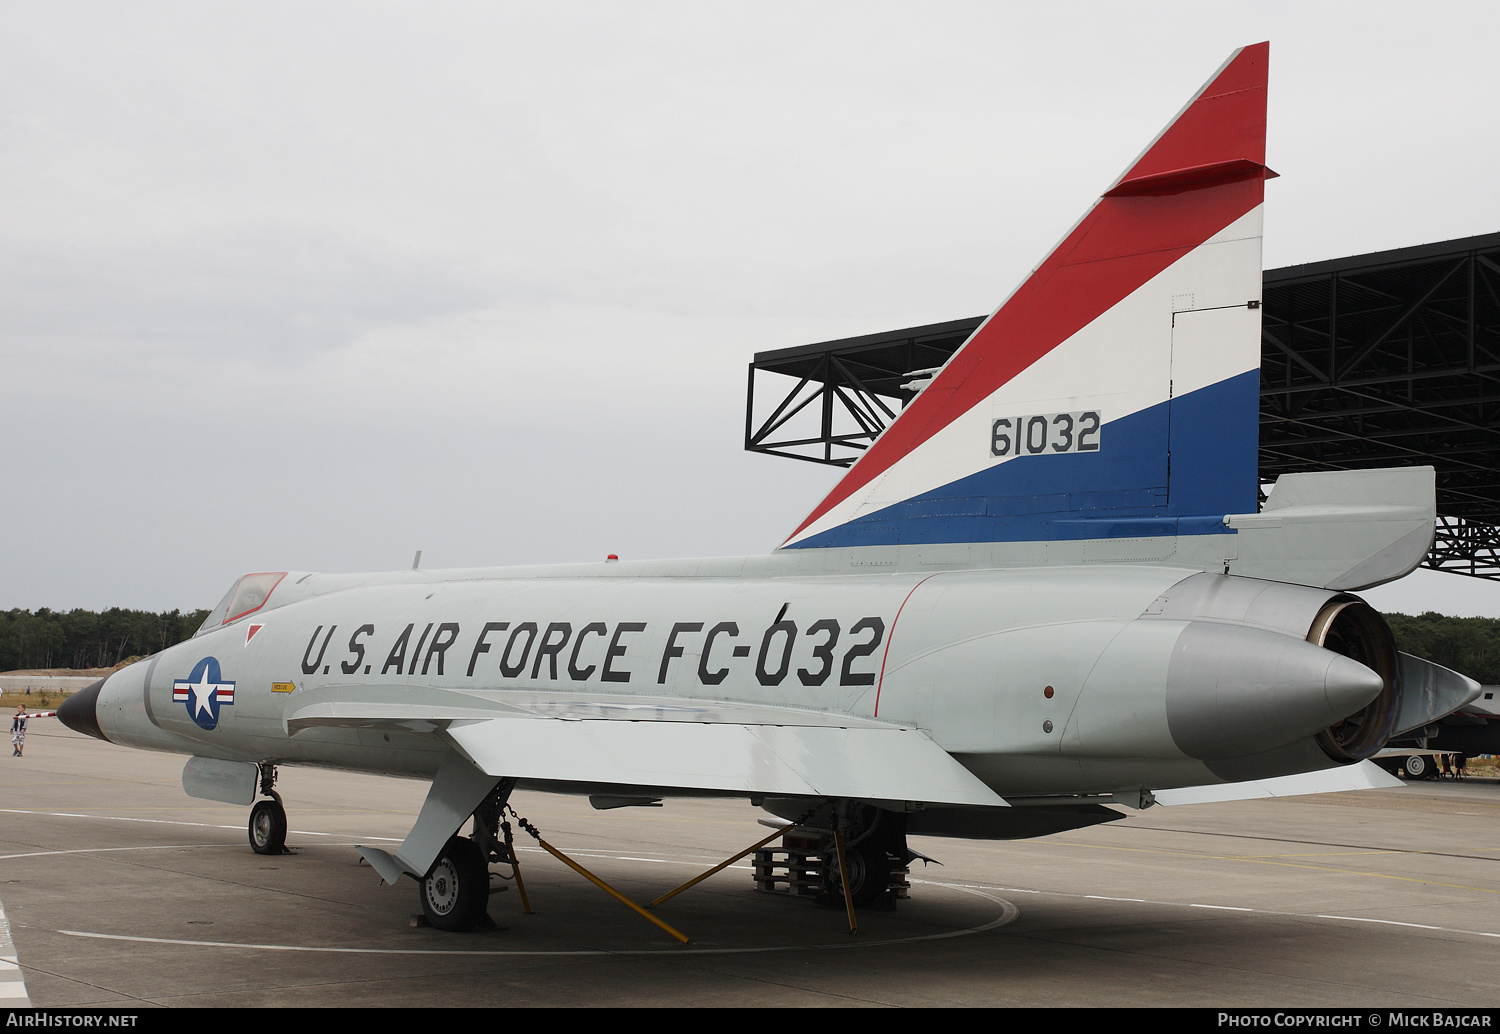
[
  {"x": 838, "y": 842},
  {"x": 596, "y": 881},
  {"x": 515, "y": 868},
  {"x": 520, "y": 886},
  {"x": 724, "y": 864}
]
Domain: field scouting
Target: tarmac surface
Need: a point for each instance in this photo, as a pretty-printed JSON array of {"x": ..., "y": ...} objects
[{"x": 121, "y": 891}]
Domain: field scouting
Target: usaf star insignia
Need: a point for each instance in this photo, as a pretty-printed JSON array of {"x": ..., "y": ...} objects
[{"x": 204, "y": 691}]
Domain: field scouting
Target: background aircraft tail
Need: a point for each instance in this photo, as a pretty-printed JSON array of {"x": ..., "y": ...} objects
[{"x": 1116, "y": 392}]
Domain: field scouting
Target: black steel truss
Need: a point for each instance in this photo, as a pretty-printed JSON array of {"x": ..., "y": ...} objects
[
  {"x": 845, "y": 390},
  {"x": 1376, "y": 360},
  {"x": 1465, "y": 547}
]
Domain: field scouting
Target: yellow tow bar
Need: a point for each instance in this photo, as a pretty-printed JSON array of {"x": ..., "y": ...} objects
[{"x": 596, "y": 881}]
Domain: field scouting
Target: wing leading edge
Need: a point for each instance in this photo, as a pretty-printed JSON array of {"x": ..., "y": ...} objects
[{"x": 889, "y": 764}]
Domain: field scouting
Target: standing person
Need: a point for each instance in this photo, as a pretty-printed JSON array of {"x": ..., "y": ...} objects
[{"x": 18, "y": 732}]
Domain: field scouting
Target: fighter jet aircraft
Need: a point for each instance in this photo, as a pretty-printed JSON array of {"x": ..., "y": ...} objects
[{"x": 1048, "y": 586}]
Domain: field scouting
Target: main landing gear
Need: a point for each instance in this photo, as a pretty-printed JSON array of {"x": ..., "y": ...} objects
[
  {"x": 869, "y": 867},
  {"x": 875, "y": 857},
  {"x": 268, "y": 818},
  {"x": 455, "y": 893},
  {"x": 839, "y": 851},
  {"x": 874, "y": 842},
  {"x": 456, "y": 889}
]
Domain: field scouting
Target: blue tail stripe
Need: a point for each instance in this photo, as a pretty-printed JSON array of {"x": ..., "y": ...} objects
[
  {"x": 1120, "y": 491},
  {"x": 1215, "y": 440}
]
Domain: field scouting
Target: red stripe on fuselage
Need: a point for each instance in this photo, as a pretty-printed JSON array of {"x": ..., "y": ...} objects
[{"x": 880, "y": 682}]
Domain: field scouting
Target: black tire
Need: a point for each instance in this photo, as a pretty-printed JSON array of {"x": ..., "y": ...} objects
[
  {"x": 869, "y": 874},
  {"x": 456, "y": 890},
  {"x": 268, "y": 827},
  {"x": 1417, "y": 766}
]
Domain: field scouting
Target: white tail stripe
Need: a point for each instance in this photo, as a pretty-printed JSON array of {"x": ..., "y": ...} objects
[{"x": 1119, "y": 364}]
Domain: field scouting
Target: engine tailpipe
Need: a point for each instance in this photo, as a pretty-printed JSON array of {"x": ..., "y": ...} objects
[{"x": 1352, "y": 628}]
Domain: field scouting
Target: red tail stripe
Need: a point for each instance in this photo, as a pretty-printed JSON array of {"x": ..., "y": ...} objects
[{"x": 1121, "y": 244}]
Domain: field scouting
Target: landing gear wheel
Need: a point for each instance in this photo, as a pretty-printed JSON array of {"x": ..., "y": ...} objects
[
  {"x": 456, "y": 891},
  {"x": 869, "y": 874},
  {"x": 268, "y": 828},
  {"x": 1417, "y": 766}
]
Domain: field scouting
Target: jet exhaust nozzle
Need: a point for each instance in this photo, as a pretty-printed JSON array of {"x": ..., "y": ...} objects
[{"x": 1353, "y": 629}]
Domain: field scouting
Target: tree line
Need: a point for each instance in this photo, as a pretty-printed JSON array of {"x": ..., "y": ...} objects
[
  {"x": 85, "y": 639},
  {"x": 1467, "y": 645}
]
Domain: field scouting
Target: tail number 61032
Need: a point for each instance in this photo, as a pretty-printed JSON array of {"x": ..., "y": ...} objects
[{"x": 1048, "y": 433}]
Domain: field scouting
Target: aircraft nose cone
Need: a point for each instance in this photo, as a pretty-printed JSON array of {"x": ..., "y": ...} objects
[{"x": 80, "y": 711}]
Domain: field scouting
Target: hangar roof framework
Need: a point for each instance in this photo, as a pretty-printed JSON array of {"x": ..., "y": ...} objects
[{"x": 1385, "y": 359}]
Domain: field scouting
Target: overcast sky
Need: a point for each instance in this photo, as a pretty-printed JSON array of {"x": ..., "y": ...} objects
[{"x": 312, "y": 286}]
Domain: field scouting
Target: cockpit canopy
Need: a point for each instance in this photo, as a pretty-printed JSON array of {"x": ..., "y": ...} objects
[{"x": 246, "y": 596}]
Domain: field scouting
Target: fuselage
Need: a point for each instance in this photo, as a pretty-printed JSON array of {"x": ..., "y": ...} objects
[{"x": 1040, "y": 680}]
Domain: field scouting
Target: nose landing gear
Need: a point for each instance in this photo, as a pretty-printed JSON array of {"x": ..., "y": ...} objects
[{"x": 268, "y": 818}]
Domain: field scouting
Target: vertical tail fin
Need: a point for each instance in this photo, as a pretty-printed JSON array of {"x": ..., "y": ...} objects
[{"x": 1119, "y": 383}]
